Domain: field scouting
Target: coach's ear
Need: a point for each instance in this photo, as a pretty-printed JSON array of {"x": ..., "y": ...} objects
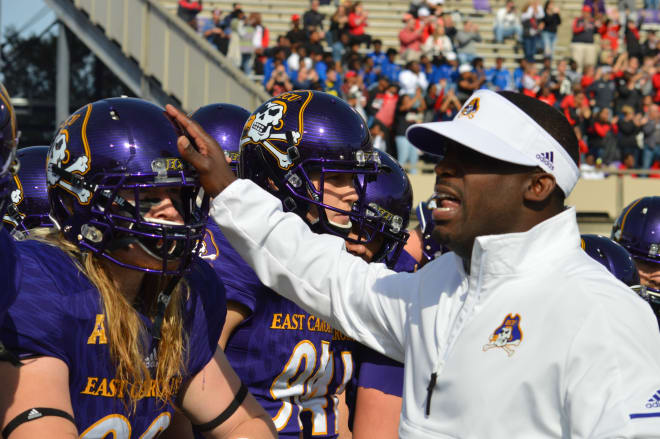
[{"x": 539, "y": 186}]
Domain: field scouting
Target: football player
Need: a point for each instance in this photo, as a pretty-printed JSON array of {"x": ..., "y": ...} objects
[
  {"x": 28, "y": 194},
  {"x": 638, "y": 230},
  {"x": 613, "y": 256},
  {"x": 306, "y": 148},
  {"x": 8, "y": 167},
  {"x": 116, "y": 319},
  {"x": 374, "y": 394}
]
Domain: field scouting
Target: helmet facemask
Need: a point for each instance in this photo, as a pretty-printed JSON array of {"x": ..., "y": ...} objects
[{"x": 117, "y": 219}]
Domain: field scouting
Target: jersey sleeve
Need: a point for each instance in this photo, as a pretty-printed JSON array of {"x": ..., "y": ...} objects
[
  {"x": 376, "y": 371},
  {"x": 612, "y": 384},
  {"x": 241, "y": 282},
  {"x": 35, "y": 323},
  {"x": 367, "y": 302},
  {"x": 206, "y": 310}
]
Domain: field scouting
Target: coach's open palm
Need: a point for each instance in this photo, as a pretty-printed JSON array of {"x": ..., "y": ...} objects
[{"x": 208, "y": 158}]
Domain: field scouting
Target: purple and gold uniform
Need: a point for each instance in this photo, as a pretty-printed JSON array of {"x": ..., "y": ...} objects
[
  {"x": 280, "y": 352},
  {"x": 58, "y": 313},
  {"x": 9, "y": 275}
]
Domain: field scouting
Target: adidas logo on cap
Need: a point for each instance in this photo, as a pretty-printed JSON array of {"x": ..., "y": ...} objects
[
  {"x": 654, "y": 401},
  {"x": 548, "y": 158}
]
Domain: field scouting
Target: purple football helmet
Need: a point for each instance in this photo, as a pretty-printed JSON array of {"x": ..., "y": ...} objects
[
  {"x": 8, "y": 142},
  {"x": 29, "y": 205},
  {"x": 387, "y": 202},
  {"x": 638, "y": 230},
  {"x": 613, "y": 256},
  {"x": 296, "y": 134},
  {"x": 224, "y": 122},
  {"x": 109, "y": 153},
  {"x": 430, "y": 248}
]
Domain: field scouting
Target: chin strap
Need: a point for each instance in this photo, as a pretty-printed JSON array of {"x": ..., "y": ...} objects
[{"x": 163, "y": 300}]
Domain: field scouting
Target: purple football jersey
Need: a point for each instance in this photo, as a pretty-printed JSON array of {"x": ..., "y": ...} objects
[
  {"x": 281, "y": 352},
  {"x": 9, "y": 276},
  {"x": 58, "y": 313}
]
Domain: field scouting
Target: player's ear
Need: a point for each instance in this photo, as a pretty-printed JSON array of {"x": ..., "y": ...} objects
[{"x": 539, "y": 186}]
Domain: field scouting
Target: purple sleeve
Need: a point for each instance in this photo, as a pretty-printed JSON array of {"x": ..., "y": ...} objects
[
  {"x": 241, "y": 283},
  {"x": 379, "y": 372},
  {"x": 36, "y": 323},
  {"x": 206, "y": 310}
]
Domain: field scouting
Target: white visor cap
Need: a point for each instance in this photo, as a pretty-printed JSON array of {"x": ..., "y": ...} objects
[{"x": 494, "y": 126}]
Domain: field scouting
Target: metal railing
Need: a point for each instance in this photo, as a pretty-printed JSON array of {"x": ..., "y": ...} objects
[{"x": 148, "y": 47}]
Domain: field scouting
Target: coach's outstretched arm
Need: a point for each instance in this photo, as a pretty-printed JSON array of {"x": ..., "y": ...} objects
[{"x": 365, "y": 301}]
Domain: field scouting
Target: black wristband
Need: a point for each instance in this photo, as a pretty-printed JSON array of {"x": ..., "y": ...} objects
[
  {"x": 222, "y": 417},
  {"x": 31, "y": 415}
]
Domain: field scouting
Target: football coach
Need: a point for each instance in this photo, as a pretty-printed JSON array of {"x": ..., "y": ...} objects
[{"x": 516, "y": 333}]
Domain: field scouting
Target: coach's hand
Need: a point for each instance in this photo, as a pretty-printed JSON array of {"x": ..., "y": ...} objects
[{"x": 209, "y": 158}]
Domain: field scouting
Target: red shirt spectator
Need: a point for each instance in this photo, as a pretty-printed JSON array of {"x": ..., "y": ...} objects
[
  {"x": 411, "y": 36},
  {"x": 357, "y": 20},
  {"x": 387, "y": 108},
  {"x": 609, "y": 31}
]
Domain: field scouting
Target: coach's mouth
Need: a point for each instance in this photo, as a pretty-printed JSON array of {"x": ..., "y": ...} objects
[{"x": 445, "y": 204}]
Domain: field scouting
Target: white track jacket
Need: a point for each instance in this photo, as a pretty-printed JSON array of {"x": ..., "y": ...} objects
[{"x": 538, "y": 341}]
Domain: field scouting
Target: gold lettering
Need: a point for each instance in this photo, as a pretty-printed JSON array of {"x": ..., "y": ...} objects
[
  {"x": 309, "y": 324},
  {"x": 98, "y": 334},
  {"x": 287, "y": 322},
  {"x": 276, "y": 321},
  {"x": 91, "y": 382},
  {"x": 289, "y": 97},
  {"x": 102, "y": 389}
]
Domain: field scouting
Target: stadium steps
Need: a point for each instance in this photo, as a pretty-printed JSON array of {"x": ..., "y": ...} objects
[{"x": 157, "y": 55}]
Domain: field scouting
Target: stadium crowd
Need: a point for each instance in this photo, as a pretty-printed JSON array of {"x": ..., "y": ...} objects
[{"x": 608, "y": 88}]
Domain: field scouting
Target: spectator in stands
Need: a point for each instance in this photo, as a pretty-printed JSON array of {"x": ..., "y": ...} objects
[
  {"x": 651, "y": 130},
  {"x": 609, "y": 32},
  {"x": 188, "y": 10},
  {"x": 629, "y": 126},
  {"x": 532, "y": 23},
  {"x": 260, "y": 40},
  {"x": 357, "y": 23},
  {"x": 602, "y": 91},
  {"x": 279, "y": 81},
  {"x": 333, "y": 82},
  {"x": 518, "y": 74},
  {"x": 531, "y": 80},
  {"x": 378, "y": 56},
  {"x": 338, "y": 24},
  {"x": 410, "y": 39},
  {"x": 450, "y": 106},
  {"x": 236, "y": 8},
  {"x": 387, "y": 109},
  {"x": 378, "y": 135},
  {"x": 412, "y": 78},
  {"x": 627, "y": 91},
  {"x": 410, "y": 110},
  {"x": 551, "y": 22},
  {"x": 498, "y": 77},
  {"x": 559, "y": 81},
  {"x": 279, "y": 57},
  {"x": 318, "y": 65},
  {"x": 507, "y": 23},
  {"x": 375, "y": 98},
  {"x": 573, "y": 72},
  {"x": 391, "y": 69},
  {"x": 314, "y": 43},
  {"x": 466, "y": 40},
  {"x": 601, "y": 136},
  {"x": 631, "y": 38},
  {"x": 313, "y": 19},
  {"x": 650, "y": 47},
  {"x": 583, "y": 49},
  {"x": 355, "y": 99},
  {"x": 214, "y": 32},
  {"x": 467, "y": 82},
  {"x": 296, "y": 34},
  {"x": 438, "y": 43},
  {"x": 591, "y": 167},
  {"x": 298, "y": 58}
]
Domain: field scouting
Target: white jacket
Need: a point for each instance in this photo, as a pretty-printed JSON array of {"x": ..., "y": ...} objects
[{"x": 540, "y": 341}]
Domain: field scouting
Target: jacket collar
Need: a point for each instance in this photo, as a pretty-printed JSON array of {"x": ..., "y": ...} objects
[{"x": 510, "y": 253}]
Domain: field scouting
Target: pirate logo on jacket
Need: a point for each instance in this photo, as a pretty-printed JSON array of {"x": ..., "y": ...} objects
[
  {"x": 470, "y": 109},
  {"x": 507, "y": 336}
]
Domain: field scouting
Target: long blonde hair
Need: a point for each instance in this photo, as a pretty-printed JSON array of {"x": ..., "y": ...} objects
[{"x": 127, "y": 336}]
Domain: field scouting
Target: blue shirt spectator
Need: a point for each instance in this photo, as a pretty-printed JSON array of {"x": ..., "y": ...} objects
[{"x": 380, "y": 58}]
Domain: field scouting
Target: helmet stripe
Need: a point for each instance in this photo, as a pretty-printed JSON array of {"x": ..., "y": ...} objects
[
  {"x": 84, "y": 137},
  {"x": 625, "y": 215}
]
